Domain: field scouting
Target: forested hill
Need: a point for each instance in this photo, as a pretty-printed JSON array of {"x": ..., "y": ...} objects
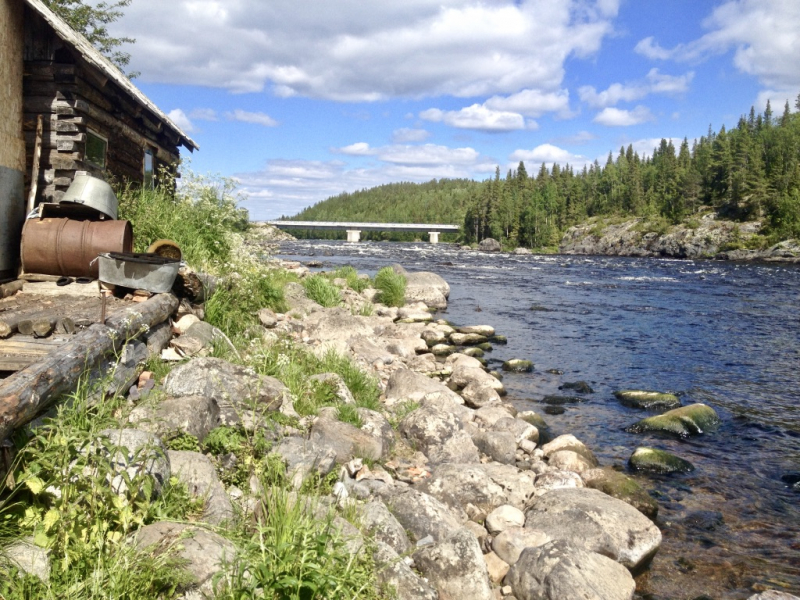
[{"x": 749, "y": 172}]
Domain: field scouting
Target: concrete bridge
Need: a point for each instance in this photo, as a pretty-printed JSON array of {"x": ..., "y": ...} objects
[{"x": 354, "y": 229}]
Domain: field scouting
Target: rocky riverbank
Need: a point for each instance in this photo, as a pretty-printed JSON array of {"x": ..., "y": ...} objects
[
  {"x": 451, "y": 490},
  {"x": 706, "y": 237}
]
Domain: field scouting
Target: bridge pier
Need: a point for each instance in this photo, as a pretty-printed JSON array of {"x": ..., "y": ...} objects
[
  {"x": 434, "y": 235},
  {"x": 353, "y": 235}
]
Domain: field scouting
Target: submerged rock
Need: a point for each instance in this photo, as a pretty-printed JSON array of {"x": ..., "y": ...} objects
[
  {"x": 555, "y": 400},
  {"x": 622, "y": 487},
  {"x": 684, "y": 421},
  {"x": 518, "y": 365},
  {"x": 658, "y": 461},
  {"x": 647, "y": 399},
  {"x": 580, "y": 387}
]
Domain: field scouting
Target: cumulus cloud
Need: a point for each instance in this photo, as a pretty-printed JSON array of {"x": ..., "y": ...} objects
[
  {"x": 406, "y": 134},
  {"x": 180, "y": 119},
  {"x": 478, "y": 117},
  {"x": 355, "y": 52},
  {"x": 258, "y": 118},
  {"x": 617, "y": 117},
  {"x": 203, "y": 114},
  {"x": 548, "y": 154},
  {"x": 285, "y": 187},
  {"x": 653, "y": 83},
  {"x": 763, "y": 33},
  {"x": 531, "y": 103}
]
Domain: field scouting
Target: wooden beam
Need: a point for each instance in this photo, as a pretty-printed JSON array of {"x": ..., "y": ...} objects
[
  {"x": 32, "y": 390},
  {"x": 18, "y": 353},
  {"x": 37, "y": 157}
]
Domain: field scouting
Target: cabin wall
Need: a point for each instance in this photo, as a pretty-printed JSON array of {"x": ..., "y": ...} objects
[
  {"x": 73, "y": 98},
  {"x": 12, "y": 144}
]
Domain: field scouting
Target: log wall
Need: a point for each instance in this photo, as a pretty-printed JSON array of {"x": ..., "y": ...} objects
[{"x": 75, "y": 97}]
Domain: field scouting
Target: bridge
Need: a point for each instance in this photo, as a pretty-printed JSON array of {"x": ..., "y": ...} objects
[{"x": 354, "y": 229}]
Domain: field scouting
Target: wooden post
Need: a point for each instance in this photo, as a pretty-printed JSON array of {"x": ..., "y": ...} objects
[
  {"x": 37, "y": 157},
  {"x": 28, "y": 392}
]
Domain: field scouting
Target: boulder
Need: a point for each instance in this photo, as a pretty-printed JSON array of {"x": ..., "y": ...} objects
[
  {"x": 647, "y": 399},
  {"x": 658, "y": 461},
  {"x": 136, "y": 453},
  {"x": 303, "y": 456},
  {"x": 581, "y": 387},
  {"x": 382, "y": 525},
  {"x": 198, "y": 473},
  {"x": 484, "y": 330},
  {"x": 346, "y": 440},
  {"x": 509, "y": 543},
  {"x": 558, "y": 570},
  {"x": 339, "y": 324},
  {"x": 267, "y": 318},
  {"x": 567, "y": 460},
  {"x": 427, "y": 287},
  {"x": 533, "y": 418},
  {"x": 455, "y": 566},
  {"x": 595, "y": 522},
  {"x": 500, "y": 446},
  {"x": 489, "y": 245},
  {"x": 489, "y": 415},
  {"x": 684, "y": 421},
  {"x": 569, "y": 442},
  {"x": 622, "y": 487},
  {"x": 496, "y": 567},
  {"x": 418, "y": 312},
  {"x": 521, "y": 251},
  {"x": 485, "y": 486},
  {"x": 195, "y": 415},
  {"x": 504, "y": 517},
  {"x": 375, "y": 424},
  {"x": 28, "y": 558},
  {"x": 439, "y": 435},
  {"x": 241, "y": 394},
  {"x": 202, "y": 553},
  {"x": 556, "y": 480},
  {"x": 394, "y": 573},
  {"x": 521, "y": 430},
  {"x": 478, "y": 395},
  {"x": 422, "y": 515},
  {"x": 467, "y": 339},
  {"x": 405, "y": 384},
  {"x": 773, "y": 595},
  {"x": 298, "y": 302}
]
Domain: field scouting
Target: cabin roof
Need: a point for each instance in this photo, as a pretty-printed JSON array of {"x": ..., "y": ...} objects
[{"x": 92, "y": 56}]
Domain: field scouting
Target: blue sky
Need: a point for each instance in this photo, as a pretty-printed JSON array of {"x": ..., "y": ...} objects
[{"x": 300, "y": 101}]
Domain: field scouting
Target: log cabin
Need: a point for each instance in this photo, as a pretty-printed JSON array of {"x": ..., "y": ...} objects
[{"x": 64, "y": 108}]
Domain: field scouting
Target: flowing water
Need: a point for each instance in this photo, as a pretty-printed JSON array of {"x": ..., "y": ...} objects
[{"x": 725, "y": 334}]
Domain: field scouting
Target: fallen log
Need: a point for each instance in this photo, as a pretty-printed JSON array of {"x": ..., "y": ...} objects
[
  {"x": 11, "y": 288},
  {"x": 28, "y": 392},
  {"x": 37, "y": 327}
]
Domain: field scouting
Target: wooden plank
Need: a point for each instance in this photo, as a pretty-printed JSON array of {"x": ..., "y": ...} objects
[
  {"x": 32, "y": 390},
  {"x": 18, "y": 353}
]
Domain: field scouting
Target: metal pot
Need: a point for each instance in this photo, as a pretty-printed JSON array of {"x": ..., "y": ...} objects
[
  {"x": 93, "y": 193},
  {"x": 145, "y": 271}
]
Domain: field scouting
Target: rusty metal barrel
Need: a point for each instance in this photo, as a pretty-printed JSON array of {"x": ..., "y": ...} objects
[{"x": 70, "y": 247}]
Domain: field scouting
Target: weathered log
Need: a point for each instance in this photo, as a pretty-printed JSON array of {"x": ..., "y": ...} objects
[
  {"x": 65, "y": 325},
  {"x": 37, "y": 327},
  {"x": 10, "y": 288},
  {"x": 28, "y": 392}
]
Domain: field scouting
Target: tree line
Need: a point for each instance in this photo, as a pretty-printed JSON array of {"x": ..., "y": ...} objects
[{"x": 749, "y": 172}]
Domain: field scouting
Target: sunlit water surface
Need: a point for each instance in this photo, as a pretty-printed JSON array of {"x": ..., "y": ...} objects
[{"x": 725, "y": 334}]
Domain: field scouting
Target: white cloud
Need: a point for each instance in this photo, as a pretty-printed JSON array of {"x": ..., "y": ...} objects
[
  {"x": 763, "y": 33},
  {"x": 478, "y": 117},
  {"x": 777, "y": 100},
  {"x": 357, "y": 149},
  {"x": 180, "y": 119},
  {"x": 405, "y": 134},
  {"x": 531, "y": 103},
  {"x": 348, "y": 51},
  {"x": 285, "y": 187},
  {"x": 203, "y": 114},
  {"x": 581, "y": 137},
  {"x": 616, "y": 117},
  {"x": 654, "y": 83},
  {"x": 257, "y": 118},
  {"x": 548, "y": 154}
]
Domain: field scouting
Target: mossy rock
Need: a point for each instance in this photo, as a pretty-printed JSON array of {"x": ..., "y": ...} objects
[
  {"x": 467, "y": 339},
  {"x": 533, "y": 418},
  {"x": 684, "y": 421},
  {"x": 622, "y": 487},
  {"x": 579, "y": 387},
  {"x": 658, "y": 461},
  {"x": 496, "y": 374},
  {"x": 498, "y": 339},
  {"x": 485, "y": 346},
  {"x": 473, "y": 351},
  {"x": 518, "y": 365},
  {"x": 647, "y": 399},
  {"x": 555, "y": 400},
  {"x": 442, "y": 349}
]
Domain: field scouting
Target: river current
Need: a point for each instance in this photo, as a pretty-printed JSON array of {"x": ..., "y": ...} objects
[{"x": 725, "y": 334}]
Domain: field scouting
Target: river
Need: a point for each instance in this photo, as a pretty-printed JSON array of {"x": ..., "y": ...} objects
[{"x": 725, "y": 334}]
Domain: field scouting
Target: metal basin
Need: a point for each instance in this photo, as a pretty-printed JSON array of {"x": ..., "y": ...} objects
[{"x": 142, "y": 271}]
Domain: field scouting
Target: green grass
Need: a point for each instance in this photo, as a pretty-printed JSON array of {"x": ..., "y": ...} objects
[
  {"x": 320, "y": 289},
  {"x": 391, "y": 287},
  {"x": 354, "y": 281}
]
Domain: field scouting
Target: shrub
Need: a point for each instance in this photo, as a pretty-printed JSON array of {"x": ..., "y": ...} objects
[
  {"x": 391, "y": 287},
  {"x": 354, "y": 280},
  {"x": 320, "y": 289}
]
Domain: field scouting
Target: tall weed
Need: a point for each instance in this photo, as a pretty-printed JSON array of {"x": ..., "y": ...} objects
[{"x": 391, "y": 287}]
